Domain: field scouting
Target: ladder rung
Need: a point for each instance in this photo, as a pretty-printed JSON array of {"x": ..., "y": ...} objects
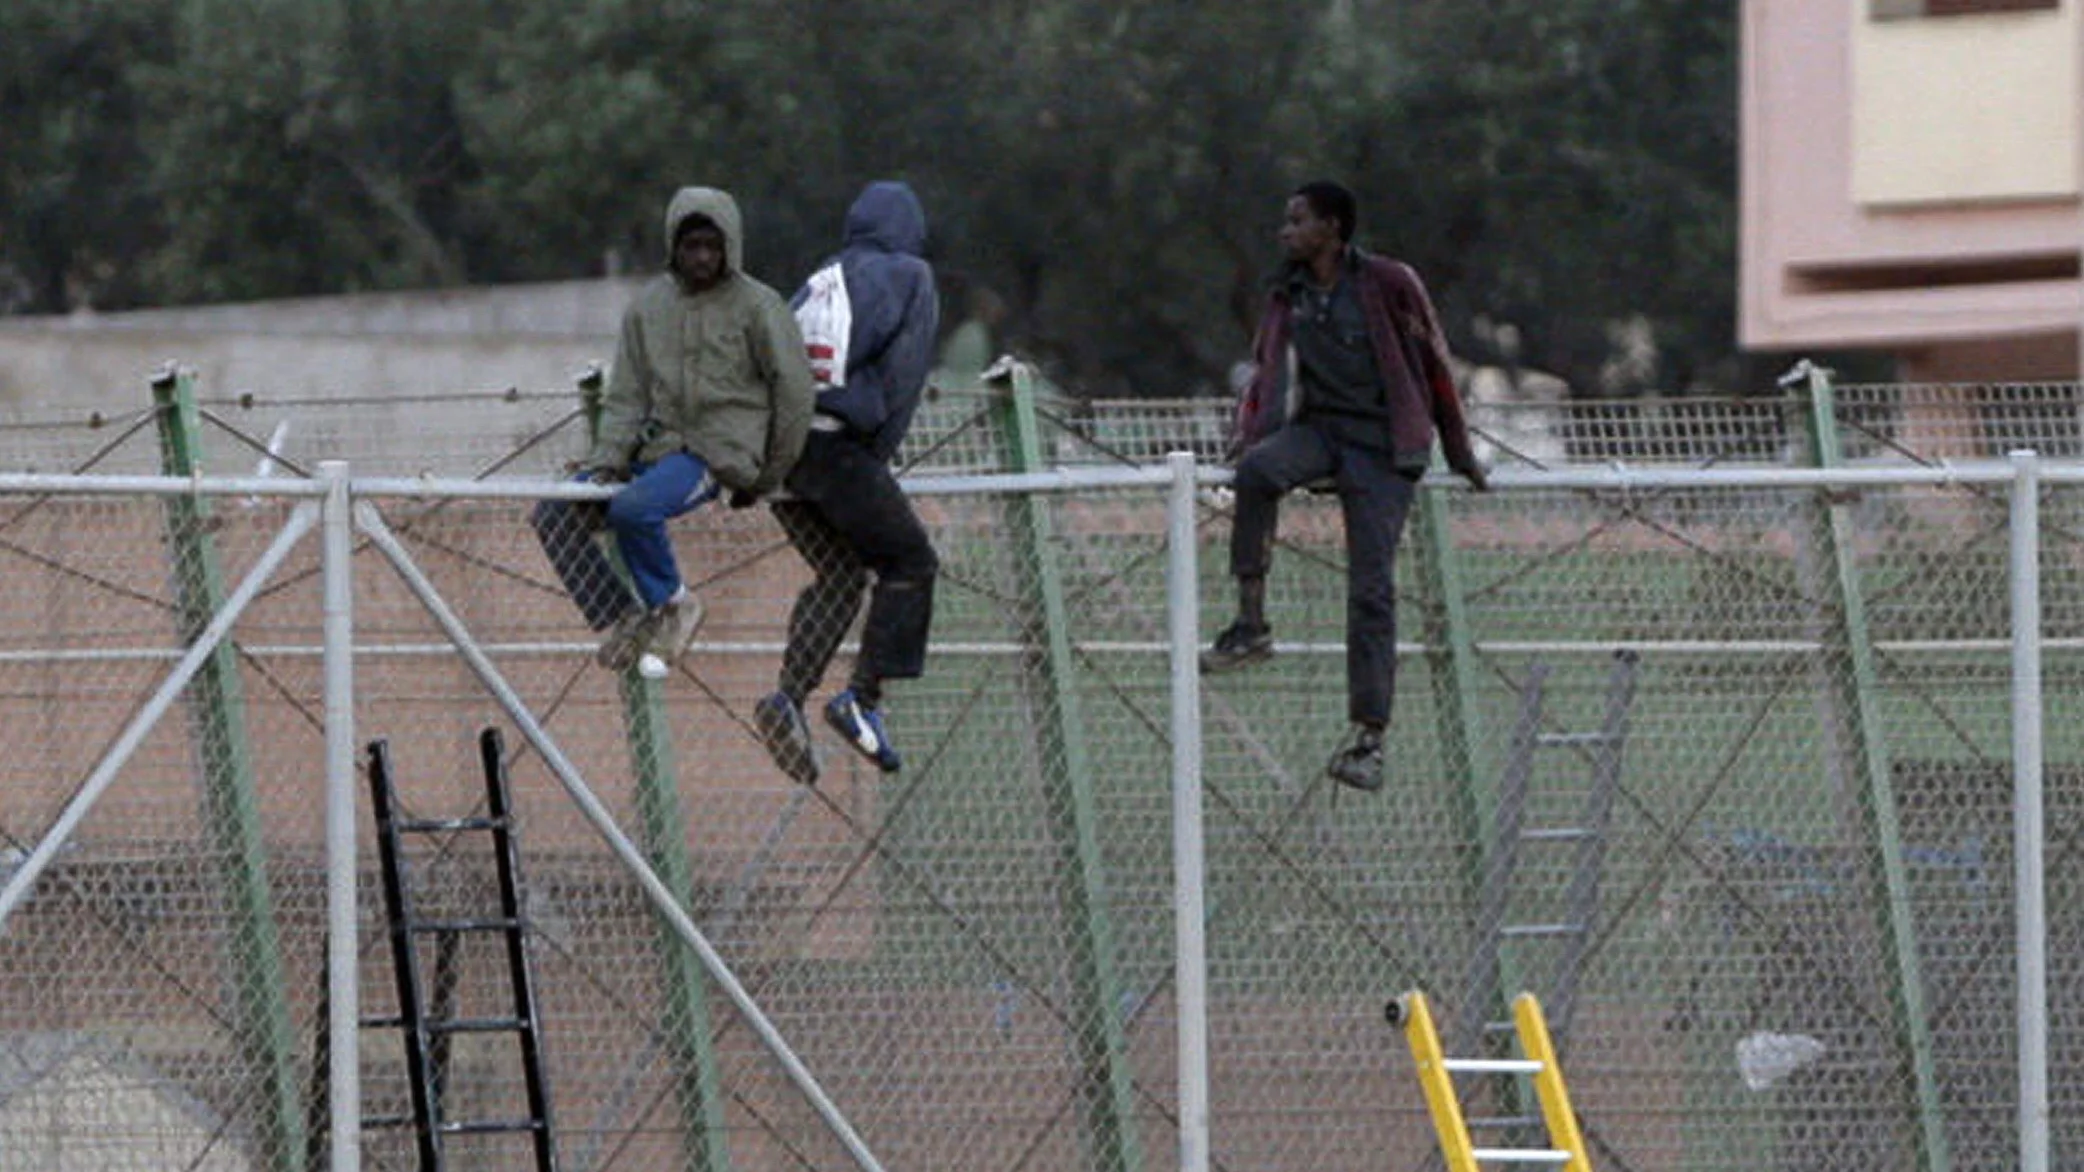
[
  {"x": 1541, "y": 929},
  {"x": 476, "y": 1025},
  {"x": 407, "y": 928},
  {"x": 1558, "y": 834},
  {"x": 1572, "y": 738},
  {"x": 443, "y": 825},
  {"x": 491, "y": 1126},
  {"x": 390, "y": 1022},
  {"x": 1521, "y": 1155},
  {"x": 1491, "y": 1066},
  {"x": 496, "y": 924},
  {"x": 1496, "y": 1123}
]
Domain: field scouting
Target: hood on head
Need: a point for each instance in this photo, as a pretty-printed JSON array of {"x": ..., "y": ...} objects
[
  {"x": 719, "y": 208},
  {"x": 888, "y": 215}
]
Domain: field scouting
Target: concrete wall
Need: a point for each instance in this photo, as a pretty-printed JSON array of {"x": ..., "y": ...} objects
[{"x": 531, "y": 337}]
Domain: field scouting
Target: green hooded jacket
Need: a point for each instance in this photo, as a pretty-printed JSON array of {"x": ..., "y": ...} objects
[{"x": 721, "y": 373}]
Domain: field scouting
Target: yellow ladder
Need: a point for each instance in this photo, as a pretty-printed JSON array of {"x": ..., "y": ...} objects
[{"x": 1435, "y": 1077}]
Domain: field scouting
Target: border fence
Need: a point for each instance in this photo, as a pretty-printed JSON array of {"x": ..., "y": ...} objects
[{"x": 1822, "y": 914}]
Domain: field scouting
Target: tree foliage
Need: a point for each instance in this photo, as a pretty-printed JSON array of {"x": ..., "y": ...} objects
[{"x": 1112, "y": 171}]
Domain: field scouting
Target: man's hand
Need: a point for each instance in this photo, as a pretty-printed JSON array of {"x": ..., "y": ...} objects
[
  {"x": 742, "y": 498},
  {"x": 1477, "y": 480}
]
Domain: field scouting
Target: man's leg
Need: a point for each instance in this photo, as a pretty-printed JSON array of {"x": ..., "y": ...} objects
[
  {"x": 819, "y": 620},
  {"x": 566, "y": 530},
  {"x": 1375, "y": 499},
  {"x": 827, "y": 606},
  {"x": 1292, "y": 456},
  {"x": 638, "y": 515},
  {"x": 877, "y": 522}
]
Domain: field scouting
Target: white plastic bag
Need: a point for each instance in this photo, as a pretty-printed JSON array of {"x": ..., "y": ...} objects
[{"x": 1764, "y": 1058}]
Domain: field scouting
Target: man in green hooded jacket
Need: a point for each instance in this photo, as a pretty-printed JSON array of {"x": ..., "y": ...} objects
[{"x": 711, "y": 392}]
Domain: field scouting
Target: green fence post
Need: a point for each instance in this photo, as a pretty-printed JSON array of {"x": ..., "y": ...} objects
[
  {"x": 664, "y": 827},
  {"x": 231, "y": 813},
  {"x": 1848, "y": 653},
  {"x": 1051, "y": 680},
  {"x": 1473, "y": 802}
]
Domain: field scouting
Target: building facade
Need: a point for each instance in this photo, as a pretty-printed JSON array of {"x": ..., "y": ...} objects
[{"x": 1910, "y": 183}]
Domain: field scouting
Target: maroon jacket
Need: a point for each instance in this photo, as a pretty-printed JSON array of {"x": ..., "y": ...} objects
[{"x": 1409, "y": 349}]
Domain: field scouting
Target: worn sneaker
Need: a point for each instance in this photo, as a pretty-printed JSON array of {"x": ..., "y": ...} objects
[
  {"x": 1240, "y": 645},
  {"x": 862, "y": 729},
  {"x": 626, "y": 640},
  {"x": 673, "y": 627},
  {"x": 1358, "y": 763},
  {"x": 787, "y": 737}
]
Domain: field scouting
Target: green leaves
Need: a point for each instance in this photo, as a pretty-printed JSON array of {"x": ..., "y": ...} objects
[{"x": 1112, "y": 171}]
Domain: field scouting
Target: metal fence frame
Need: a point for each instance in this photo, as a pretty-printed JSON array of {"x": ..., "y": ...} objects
[{"x": 338, "y": 504}]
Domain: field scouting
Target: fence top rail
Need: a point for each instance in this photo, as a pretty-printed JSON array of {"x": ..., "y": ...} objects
[{"x": 1612, "y": 477}]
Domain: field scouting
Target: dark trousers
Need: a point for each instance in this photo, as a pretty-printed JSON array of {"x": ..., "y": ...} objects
[
  {"x": 1375, "y": 498},
  {"x": 850, "y": 519}
]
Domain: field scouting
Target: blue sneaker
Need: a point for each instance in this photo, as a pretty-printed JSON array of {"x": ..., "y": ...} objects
[
  {"x": 862, "y": 729},
  {"x": 787, "y": 737}
]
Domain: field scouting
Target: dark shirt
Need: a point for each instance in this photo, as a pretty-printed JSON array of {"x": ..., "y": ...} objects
[
  {"x": 1418, "y": 383},
  {"x": 1342, "y": 393}
]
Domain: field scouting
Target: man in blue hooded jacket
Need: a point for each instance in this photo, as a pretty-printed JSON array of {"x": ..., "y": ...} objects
[{"x": 848, "y": 517}]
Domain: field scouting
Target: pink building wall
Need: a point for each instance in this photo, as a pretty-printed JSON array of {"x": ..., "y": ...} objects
[{"x": 1971, "y": 289}]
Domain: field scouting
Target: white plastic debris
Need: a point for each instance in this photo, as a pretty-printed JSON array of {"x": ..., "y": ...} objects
[{"x": 1765, "y": 1058}]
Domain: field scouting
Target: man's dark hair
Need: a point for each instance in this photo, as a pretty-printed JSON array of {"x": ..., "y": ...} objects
[{"x": 1330, "y": 201}]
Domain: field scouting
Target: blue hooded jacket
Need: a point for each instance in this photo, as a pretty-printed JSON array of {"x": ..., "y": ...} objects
[{"x": 896, "y": 316}]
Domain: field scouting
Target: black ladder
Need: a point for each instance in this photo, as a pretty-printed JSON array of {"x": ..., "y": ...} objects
[
  {"x": 428, "y": 1028},
  {"x": 1539, "y": 927}
]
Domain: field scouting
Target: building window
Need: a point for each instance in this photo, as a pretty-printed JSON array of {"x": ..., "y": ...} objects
[{"x": 1910, "y": 9}]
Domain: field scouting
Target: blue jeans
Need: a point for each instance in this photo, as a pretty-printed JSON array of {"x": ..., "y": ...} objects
[{"x": 637, "y": 515}]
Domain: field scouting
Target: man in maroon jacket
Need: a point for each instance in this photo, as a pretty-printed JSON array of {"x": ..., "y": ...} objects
[{"x": 1350, "y": 387}]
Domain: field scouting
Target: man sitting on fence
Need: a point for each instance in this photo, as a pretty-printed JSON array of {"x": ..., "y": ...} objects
[
  {"x": 710, "y": 391},
  {"x": 1351, "y": 382},
  {"x": 869, "y": 318}
]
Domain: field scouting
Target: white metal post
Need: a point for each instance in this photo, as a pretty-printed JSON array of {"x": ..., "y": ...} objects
[
  {"x": 343, "y": 994},
  {"x": 1189, "y": 867},
  {"x": 2028, "y": 816}
]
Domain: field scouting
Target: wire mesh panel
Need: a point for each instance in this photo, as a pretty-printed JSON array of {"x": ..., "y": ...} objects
[
  {"x": 492, "y": 433},
  {"x": 934, "y": 943},
  {"x": 1695, "y": 431},
  {"x": 2062, "y": 601},
  {"x": 1930, "y": 422},
  {"x": 1751, "y": 939},
  {"x": 1793, "y": 949},
  {"x": 158, "y": 973}
]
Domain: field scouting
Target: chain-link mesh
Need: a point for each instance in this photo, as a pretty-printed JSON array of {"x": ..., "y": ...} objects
[{"x": 1798, "y": 941}]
